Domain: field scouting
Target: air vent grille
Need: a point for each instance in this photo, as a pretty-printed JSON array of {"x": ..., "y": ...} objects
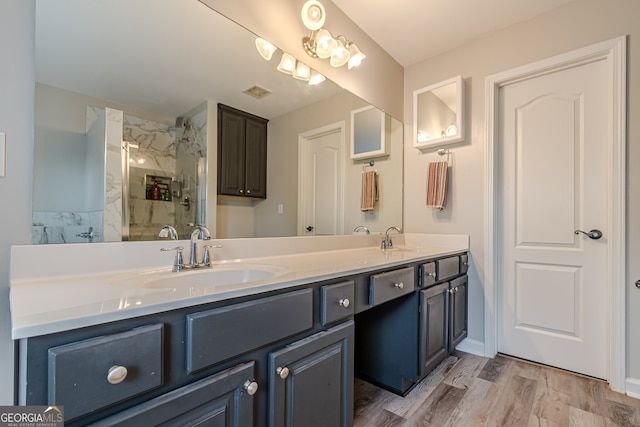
[{"x": 257, "y": 92}]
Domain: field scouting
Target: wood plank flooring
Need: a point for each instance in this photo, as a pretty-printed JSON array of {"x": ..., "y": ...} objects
[{"x": 468, "y": 390}]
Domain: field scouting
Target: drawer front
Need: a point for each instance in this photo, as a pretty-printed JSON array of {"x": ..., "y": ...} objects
[
  {"x": 78, "y": 372},
  {"x": 336, "y": 302},
  {"x": 222, "y": 333},
  {"x": 428, "y": 274},
  {"x": 393, "y": 284},
  {"x": 448, "y": 268},
  {"x": 464, "y": 263}
]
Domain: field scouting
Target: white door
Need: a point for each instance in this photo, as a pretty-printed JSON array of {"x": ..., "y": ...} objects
[
  {"x": 321, "y": 169},
  {"x": 552, "y": 295}
]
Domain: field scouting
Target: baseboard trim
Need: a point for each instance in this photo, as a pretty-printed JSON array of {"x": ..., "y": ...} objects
[
  {"x": 633, "y": 387},
  {"x": 471, "y": 346}
]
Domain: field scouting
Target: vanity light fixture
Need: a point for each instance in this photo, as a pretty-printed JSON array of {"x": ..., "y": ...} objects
[
  {"x": 322, "y": 44},
  {"x": 288, "y": 64},
  {"x": 265, "y": 48}
]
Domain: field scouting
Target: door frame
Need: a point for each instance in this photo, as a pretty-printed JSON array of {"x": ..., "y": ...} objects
[
  {"x": 303, "y": 173},
  {"x": 614, "y": 53}
]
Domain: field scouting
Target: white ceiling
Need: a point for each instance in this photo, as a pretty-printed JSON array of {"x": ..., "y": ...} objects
[{"x": 414, "y": 30}]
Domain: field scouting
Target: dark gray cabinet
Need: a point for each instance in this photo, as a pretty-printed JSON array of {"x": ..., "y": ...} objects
[
  {"x": 458, "y": 296},
  {"x": 311, "y": 380},
  {"x": 224, "y": 400},
  {"x": 242, "y": 153},
  {"x": 434, "y": 318}
]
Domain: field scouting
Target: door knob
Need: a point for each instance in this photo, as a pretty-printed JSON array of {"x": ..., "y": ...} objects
[{"x": 593, "y": 234}]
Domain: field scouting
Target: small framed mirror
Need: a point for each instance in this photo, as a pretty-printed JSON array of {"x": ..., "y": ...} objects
[
  {"x": 438, "y": 114},
  {"x": 368, "y": 133}
]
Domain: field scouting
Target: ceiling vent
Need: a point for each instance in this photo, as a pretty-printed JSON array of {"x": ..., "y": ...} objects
[{"x": 257, "y": 92}]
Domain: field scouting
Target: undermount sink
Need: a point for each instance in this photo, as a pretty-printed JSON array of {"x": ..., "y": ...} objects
[{"x": 217, "y": 275}]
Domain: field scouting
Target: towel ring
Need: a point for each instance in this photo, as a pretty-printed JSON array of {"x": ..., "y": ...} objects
[{"x": 445, "y": 152}]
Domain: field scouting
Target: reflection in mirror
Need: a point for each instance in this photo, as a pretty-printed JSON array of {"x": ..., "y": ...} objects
[
  {"x": 126, "y": 126},
  {"x": 438, "y": 114}
]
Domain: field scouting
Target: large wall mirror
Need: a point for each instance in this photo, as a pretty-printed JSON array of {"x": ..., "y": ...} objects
[{"x": 126, "y": 126}]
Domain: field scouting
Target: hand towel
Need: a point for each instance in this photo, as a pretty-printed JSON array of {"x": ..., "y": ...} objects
[
  {"x": 437, "y": 185},
  {"x": 369, "y": 191}
]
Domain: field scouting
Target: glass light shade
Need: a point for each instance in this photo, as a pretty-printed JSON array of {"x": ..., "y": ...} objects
[
  {"x": 303, "y": 72},
  {"x": 265, "y": 48},
  {"x": 325, "y": 44},
  {"x": 313, "y": 15},
  {"x": 356, "y": 56},
  {"x": 316, "y": 78},
  {"x": 287, "y": 64},
  {"x": 451, "y": 130},
  {"x": 340, "y": 55}
]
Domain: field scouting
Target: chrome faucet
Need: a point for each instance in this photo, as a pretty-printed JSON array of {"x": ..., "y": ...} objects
[
  {"x": 361, "y": 227},
  {"x": 168, "y": 231},
  {"x": 199, "y": 233},
  {"x": 387, "y": 243}
]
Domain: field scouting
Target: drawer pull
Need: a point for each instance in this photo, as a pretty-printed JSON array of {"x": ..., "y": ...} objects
[
  {"x": 116, "y": 374},
  {"x": 283, "y": 372},
  {"x": 344, "y": 302},
  {"x": 400, "y": 285},
  {"x": 251, "y": 387},
  {"x": 432, "y": 274}
]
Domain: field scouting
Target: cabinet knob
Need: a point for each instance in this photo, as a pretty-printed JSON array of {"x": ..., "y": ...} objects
[
  {"x": 432, "y": 274},
  {"x": 248, "y": 191},
  {"x": 344, "y": 302},
  {"x": 400, "y": 285},
  {"x": 283, "y": 372},
  {"x": 241, "y": 191},
  {"x": 116, "y": 374},
  {"x": 251, "y": 387},
  {"x": 453, "y": 290},
  {"x": 466, "y": 263}
]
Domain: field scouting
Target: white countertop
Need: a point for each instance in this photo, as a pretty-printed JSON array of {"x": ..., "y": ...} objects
[{"x": 62, "y": 287}]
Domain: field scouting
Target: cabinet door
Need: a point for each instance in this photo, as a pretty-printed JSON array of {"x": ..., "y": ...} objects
[
  {"x": 256, "y": 158},
  {"x": 231, "y": 149},
  {"x": 221, "y": 400},
  {"x": 434, "y": 334},
  {"x": 311, "y": 381},
  {"x": 459, "y": 311}
]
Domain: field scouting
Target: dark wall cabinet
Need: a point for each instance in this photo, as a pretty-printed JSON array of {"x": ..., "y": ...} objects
[{"x": 242, "y": 153}]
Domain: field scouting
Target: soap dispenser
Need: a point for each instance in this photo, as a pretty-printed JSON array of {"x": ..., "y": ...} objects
[{"x": 156, "y": 192}]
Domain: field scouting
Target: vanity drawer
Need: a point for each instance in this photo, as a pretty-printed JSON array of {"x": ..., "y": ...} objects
[
  {"x": 336, "y": 302},
  {"x": 393, "y": 284},
  {"x": 447, "y": 268},
  {"x": 88, "y": 375},
  {"x": 464, "y": 263},
  {"x": 222, "y": 333},
  {"x": 428, "y": 272}
]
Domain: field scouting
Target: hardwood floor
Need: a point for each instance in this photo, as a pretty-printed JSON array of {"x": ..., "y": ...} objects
[{"x": 468, "y": 390}]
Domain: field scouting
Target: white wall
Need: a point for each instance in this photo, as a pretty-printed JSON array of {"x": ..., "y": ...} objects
[
  {"x": 572, "y": 26},
  {"x": 17, "y": 38}
]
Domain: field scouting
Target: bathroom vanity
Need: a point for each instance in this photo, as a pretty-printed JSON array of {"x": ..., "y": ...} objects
[{"x": 277, "y": 349}]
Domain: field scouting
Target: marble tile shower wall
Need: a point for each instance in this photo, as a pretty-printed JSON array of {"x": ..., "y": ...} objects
[
  {"x": 152, "y": 151},
  {"x": 191, "y": 146},
  {"x": 64, "y": 227}
]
